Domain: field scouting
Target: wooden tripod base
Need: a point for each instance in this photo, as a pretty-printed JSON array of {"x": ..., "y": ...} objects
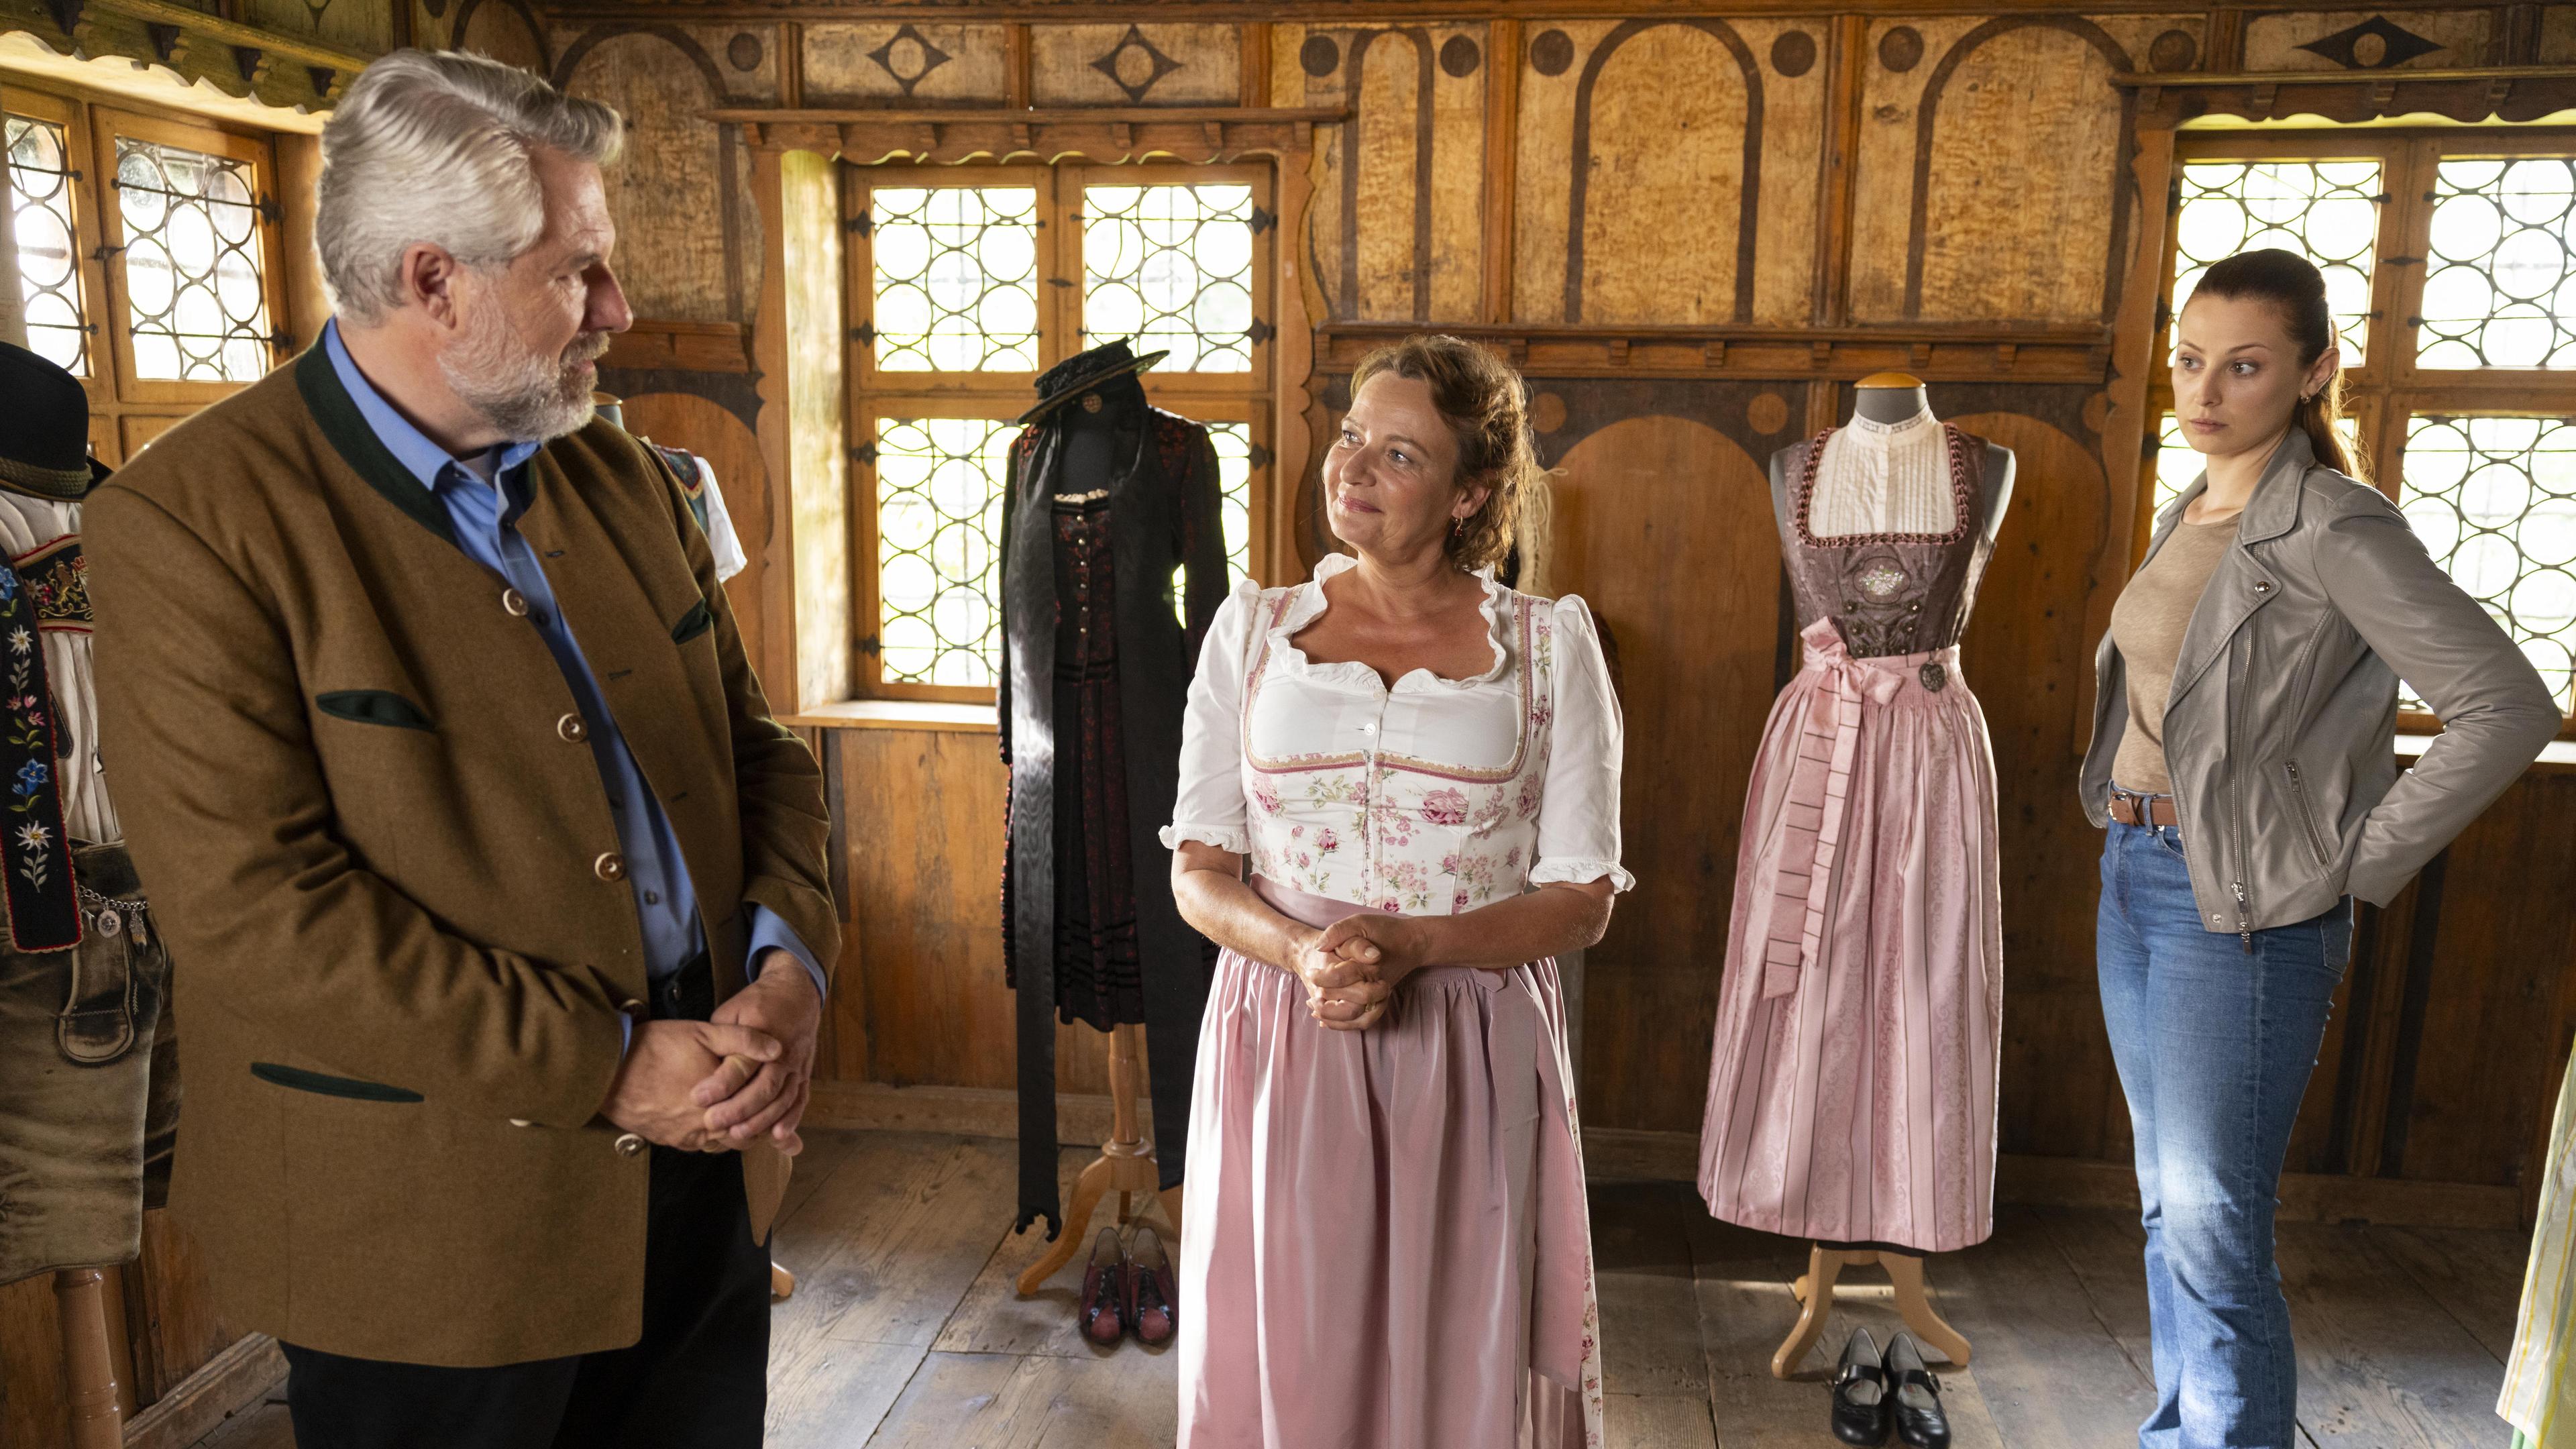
[
  {"x": 1815, "y": 1293},
  {"x": 1125, "y": 1166}
]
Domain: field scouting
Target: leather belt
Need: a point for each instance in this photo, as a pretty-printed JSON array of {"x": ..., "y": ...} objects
[{"x": 2131, "y": 808}]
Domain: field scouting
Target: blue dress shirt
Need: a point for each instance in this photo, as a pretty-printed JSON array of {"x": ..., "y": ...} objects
[{"x": 485, "y": 517}]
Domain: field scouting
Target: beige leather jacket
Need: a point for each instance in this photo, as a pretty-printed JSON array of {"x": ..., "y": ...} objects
[{"x": 2279, "y": 733}]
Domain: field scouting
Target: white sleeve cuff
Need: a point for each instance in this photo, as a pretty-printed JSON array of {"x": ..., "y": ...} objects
[
  {"x": 1223, "y": 837},
  {"x": 1581, "y": 872}
]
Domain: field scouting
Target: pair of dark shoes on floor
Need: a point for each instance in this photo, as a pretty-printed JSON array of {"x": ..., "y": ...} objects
[
  {"x": 1128, "y": 1288},
  {"x": 1871, "y": 1393}
]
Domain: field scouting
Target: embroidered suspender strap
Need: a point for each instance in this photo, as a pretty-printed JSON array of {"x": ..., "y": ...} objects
[{"x": 46, "y": 588}]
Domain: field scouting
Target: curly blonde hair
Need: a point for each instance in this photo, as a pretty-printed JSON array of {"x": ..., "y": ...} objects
[{"x": 1486, "y": 406}]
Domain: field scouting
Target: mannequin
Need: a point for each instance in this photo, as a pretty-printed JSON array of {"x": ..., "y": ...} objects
[
  {"x": 1108, "y": 498},
  {"x": 1851, "y": 1093}
]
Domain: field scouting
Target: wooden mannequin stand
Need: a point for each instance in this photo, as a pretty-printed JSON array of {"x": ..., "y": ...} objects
[
  {"x": 1125, "y": 1166},
  {"x": 1815, "y": 1294},
  {"x": 89, "y": 1372}
]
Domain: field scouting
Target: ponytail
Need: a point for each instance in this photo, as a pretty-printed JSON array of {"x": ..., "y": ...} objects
[{"x": 2292, "y": 284}]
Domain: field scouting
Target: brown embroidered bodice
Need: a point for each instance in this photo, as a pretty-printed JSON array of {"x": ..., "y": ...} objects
[{"x": 1888, "y": 593}]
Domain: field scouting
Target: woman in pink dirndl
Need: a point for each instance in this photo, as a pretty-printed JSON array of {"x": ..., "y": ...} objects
[{"x": 1384, "y": 1245}]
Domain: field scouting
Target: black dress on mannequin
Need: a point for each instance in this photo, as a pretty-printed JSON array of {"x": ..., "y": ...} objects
[{"x": 1108, "y": 498}]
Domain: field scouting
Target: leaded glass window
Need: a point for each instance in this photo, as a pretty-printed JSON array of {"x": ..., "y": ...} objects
[
  {"x": 40, "y": 190},
  {"x": 1170, "y": 267},
  {"x": 2500, "y": 282},
  {"x": 939, "y": 526},
  {"x": 1234, "y": 476},
  {"x": 2327, "y": 211},
  {"x": 197, "y": 307},
  {"x": 956, "y": 278},
  {"x": 2494, "y": 500}
]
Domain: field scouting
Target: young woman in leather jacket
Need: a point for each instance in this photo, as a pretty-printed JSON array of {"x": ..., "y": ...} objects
[{"x": 2243, "y": 761}]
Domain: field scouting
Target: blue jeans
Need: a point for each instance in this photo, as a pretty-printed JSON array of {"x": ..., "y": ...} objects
[{"x": 2214, "y": 1046}]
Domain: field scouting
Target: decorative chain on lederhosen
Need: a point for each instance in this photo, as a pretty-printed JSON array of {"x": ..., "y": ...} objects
[{"x": 47, "y": 589}]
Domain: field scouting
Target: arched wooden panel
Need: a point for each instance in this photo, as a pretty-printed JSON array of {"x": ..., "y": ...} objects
[
  {"x": 2021, "y": 192},
  {"x": 503, "y": 30},
  {"x": 2026, "y": 657},
  {"x": 1644, "y": 505},
  {"x": 673, "y": 259},
  {"x": 684, "y": 420},
  {"x": 1667, "y": 165},
  {"x": 1385, "y": 175}
]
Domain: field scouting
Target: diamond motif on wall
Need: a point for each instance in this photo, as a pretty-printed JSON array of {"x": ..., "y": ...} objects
[
  {"x": 2374, "y": 44},
  {"x": 1134, "y": 65},
  {"x": 907, "y": 57}
]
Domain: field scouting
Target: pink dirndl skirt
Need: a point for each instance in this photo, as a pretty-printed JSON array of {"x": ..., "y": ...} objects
[
  {"x": 1851, "y": 1095},
  {"x": 1384, "y": 1244}
]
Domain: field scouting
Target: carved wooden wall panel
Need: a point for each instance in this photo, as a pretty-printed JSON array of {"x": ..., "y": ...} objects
[
  {"x": 1135, "y": 65},
  {"x": 904, "y": 64},
  {"x": 350, "y": 24},
  {"x": 1393, "y": 233},
  {"x": 501, "y": 30},
  {"x": 2558, "y": 35},
  {"x": 674, "y": 259},
  {"x": 1992, "y": 169},
  {"x": 2292, "y": 40}
]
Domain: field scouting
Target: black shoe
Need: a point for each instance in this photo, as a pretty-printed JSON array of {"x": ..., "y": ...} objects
[
  {"x": 1860, "y": 1393},
  {"x": 1920, "y": 1424}
]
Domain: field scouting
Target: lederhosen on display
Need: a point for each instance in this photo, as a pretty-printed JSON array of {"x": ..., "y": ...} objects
[
  {"x": 1095, "y": 680},
  {"x": 88, "y": 1056}
]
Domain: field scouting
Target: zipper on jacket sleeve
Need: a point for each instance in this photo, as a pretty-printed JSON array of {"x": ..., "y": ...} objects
[{"x": 2307, "y": 816}]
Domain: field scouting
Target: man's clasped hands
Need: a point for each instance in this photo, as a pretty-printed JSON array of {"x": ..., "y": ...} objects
[
  {"x": 719, "y": 1085},
  {"x": 1352, "y": 967}
]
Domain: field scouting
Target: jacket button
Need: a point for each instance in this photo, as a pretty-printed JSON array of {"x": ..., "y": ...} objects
[
  {"x": 610, "y": 866},
  {"x": 514, "y": 603},
  {"x": 521, "y": 1122},
  {"x": 630, "y": 1145},
  {"x": 631, "y": 1007},
  {"x": 2262, "y": 586},
  {"x": 571, "y": 728}
]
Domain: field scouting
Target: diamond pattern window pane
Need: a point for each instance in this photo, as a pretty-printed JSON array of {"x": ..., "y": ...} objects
[
  {"x": 1234, "y": 478},
  {"x": 2494, "y": 500},
  {"x": 2327, "y": 211},
  {"x": 956, "y": 282},
  {"x": 40, "y": 188},
  {"x": 1171, "y": 268},
  {"x": 2178, "y": 465},
  {"x": 193, "y": 287},
  {"x": 939, "y": 526},
  {"x": 2500, "y": 289}
]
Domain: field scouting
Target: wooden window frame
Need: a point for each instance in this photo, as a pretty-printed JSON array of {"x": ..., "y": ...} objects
[
  {"x": 2389, "y": 389},
  {"x": 1249, "y": 397},
  {"x": 127, "y": 412}
]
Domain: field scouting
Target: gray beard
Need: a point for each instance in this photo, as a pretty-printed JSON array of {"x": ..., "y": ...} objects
[{"x": 526, "y": 398}]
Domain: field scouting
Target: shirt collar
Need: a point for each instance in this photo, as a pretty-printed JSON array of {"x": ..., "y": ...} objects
[{"x": 411, "y": 447}]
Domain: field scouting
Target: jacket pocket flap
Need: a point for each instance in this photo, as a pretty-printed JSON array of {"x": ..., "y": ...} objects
[
  {"x": 304, "y": 1081},
  {"x": 374, "y": 706},
  {"x": 697, "y": 621}
]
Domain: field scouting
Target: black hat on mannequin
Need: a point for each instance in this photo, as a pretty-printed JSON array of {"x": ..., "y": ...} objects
[
  {"x": 1084, "y": 371},
  {"x": 44, "y": 432}
]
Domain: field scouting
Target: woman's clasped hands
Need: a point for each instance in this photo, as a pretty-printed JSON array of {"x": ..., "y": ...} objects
[{"x": 1351, "y": 968}]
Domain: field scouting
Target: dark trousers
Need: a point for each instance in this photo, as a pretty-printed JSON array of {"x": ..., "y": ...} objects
[{"x": 698, "y": 1379}]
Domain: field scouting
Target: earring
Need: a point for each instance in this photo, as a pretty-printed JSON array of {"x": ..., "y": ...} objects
[{"x": 1457, "y": 528}]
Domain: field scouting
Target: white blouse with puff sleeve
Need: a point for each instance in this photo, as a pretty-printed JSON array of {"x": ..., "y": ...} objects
[{"x": 1431, "y": 798}]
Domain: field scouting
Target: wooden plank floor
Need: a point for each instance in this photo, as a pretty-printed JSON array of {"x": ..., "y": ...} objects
[{"x": 905, "y": 1332}]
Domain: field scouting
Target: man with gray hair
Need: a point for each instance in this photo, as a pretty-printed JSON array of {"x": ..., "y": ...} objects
[{"x": 503, "y": 898}]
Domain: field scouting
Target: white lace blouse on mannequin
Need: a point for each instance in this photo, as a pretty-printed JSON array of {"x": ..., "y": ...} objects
[{"x": 1883, "y": 478}]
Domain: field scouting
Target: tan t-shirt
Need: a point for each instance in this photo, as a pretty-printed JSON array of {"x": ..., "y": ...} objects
[{"x": 2147, "y": 625}]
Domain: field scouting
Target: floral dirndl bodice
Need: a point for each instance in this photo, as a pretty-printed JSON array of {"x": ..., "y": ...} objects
[{"x": 1432, "y": 797}]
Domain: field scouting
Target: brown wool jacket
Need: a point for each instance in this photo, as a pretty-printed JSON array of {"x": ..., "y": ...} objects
[{"x": 380, "y": 863}]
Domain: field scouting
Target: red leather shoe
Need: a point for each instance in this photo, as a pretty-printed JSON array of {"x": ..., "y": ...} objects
[
  {"x": 1103, "y": 1310},
  {"x": 1151, "y": 1295}
]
